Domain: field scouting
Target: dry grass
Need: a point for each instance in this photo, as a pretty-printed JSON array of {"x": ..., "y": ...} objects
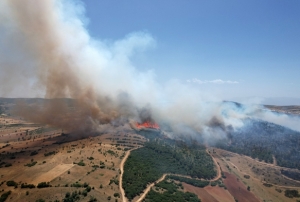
[
  {"x": 239, "y": 166},
  {"x": 59, "y": 169}
]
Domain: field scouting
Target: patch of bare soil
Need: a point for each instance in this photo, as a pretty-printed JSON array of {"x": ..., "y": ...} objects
[
  {"x": 219, "y": 193},
  {"x": 28, "y": 157},
  {"x": 200, "y": 192},
  {"x": 53, "y": 173},
  {"x": 238, "y": 190}
]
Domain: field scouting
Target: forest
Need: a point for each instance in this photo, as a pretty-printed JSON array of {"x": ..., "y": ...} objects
[
  {"x": 194, "y": 182},
  {"x": 147, "y": 164},
  {"x": 170, "y": 192},
  {"x": 261, "y": 139}
]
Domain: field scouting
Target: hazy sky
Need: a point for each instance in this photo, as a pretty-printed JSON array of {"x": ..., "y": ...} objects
[{"x": 232, "y": 48}]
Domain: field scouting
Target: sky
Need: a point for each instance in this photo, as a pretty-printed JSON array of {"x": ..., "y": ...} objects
[{"x": 236, "y": 50}]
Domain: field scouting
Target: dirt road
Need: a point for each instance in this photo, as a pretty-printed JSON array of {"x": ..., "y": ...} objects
[
  {"x": 145, "y": 192},
  {"x": 150, "y": 186},
  {"x": 124, "y": 199},
  {"x": 218, "y": 168}
]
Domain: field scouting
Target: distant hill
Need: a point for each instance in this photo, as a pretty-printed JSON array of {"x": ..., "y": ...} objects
[
  {"x": 29, "y": 100},
  {"x": 261, "y": 139},
  {"x": 293, "y": 109}
]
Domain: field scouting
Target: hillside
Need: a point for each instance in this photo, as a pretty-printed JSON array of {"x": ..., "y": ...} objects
[{"x": 263, "y": 140}]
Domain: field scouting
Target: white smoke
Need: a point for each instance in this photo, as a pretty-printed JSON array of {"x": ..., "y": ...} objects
[{"x": 47, "y": 51}]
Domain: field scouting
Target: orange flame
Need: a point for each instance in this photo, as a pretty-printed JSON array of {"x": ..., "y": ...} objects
[{"x": 147, "y": 124}]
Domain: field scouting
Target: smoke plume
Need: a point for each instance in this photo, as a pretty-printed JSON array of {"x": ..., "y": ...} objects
[{"x": 46, "y": 51}]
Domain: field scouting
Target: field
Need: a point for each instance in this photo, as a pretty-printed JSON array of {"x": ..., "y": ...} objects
[
  {"x": 209, "y": 193},
  {"x": 264, "y": 180},
  {"x": 41, "y": 162},
  {"x": 32, "y": 156}
]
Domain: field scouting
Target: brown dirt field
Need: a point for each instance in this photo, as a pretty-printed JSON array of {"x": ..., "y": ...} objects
[
  {"x": 219, "y": 193},
  {"x": 53, "y": 173},
  {"x": 238, "y": 190},
  {"x": 262, "y": 192},
  {"x": 200, "y": 192},
  {"x": 54, "y": 168}
]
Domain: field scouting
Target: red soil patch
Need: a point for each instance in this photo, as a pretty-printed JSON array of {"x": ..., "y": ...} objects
[
  {"x": 200, "y": 192},
  {"x": 219, "y": 194},
  {"x": 238, "y": 190}
]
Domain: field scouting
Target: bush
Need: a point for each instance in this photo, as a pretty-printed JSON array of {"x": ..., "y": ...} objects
[
  {"x": 30, "y": 186},
  {"x": 11, "y": 183},
  {"x": 4, "y": 196},
  {"x": 88, "y": 188},
  {"x": 213, "y": 184},
  {"x": 291, "y": 193},
  {"x": 84, "y": 193},
  {"x": 67, "y": 195},
  {"x": 33, "y": 153},
  {"x": 92, "y": 199},
  {"x": 31, "y": 164},
  {"x": 267, "y": 185},
  {"x": 43, "y": 185},
  {"x": 76, "y": 185},
  {"x": 50, "y": 153},
  {"x": 81, "y": 163},
  {"x": 8, "y": 165},
  {"x": 247, "y": 176}
]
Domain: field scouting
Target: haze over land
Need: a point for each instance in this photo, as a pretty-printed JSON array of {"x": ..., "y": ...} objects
[
  {"x": 160, "y": 101},
  {"x": 47, "y": 51}
]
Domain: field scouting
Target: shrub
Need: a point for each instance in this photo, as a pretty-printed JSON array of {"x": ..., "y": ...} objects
[
  {"x": 43, "y": 185},
  {"x": 88, "y": 188},
  {"x": 50, "y": 153},
  {"x": 33, "y": 153},
  {"x": 11, "y": 183},
  {"x": 4, "y": 196},
  {"x": 92, "y": 199},
  {"x": 247, "y": 176},
  {"x": 84, "y": 193},
  {"x": 81, "y": 163},
  {"x": 31, "y": 164},
  {"x": 291, "y": 193},
  {"x": 30, "y": 186}
]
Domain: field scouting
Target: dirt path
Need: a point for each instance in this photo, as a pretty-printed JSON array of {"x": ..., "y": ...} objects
[
  {"x": 150, "y": 186},
  {"x": 275, "y": 185},
  {"x": 145, "y": 192},
  {"x": 218, "y": 167},
  {"x": 124, "y": 199},
  {"x": 274, "y": 165},
  {"x": 260, "y": 162}
]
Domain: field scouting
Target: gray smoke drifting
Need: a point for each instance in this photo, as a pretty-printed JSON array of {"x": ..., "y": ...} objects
[{"x": 46, "y": 51}]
